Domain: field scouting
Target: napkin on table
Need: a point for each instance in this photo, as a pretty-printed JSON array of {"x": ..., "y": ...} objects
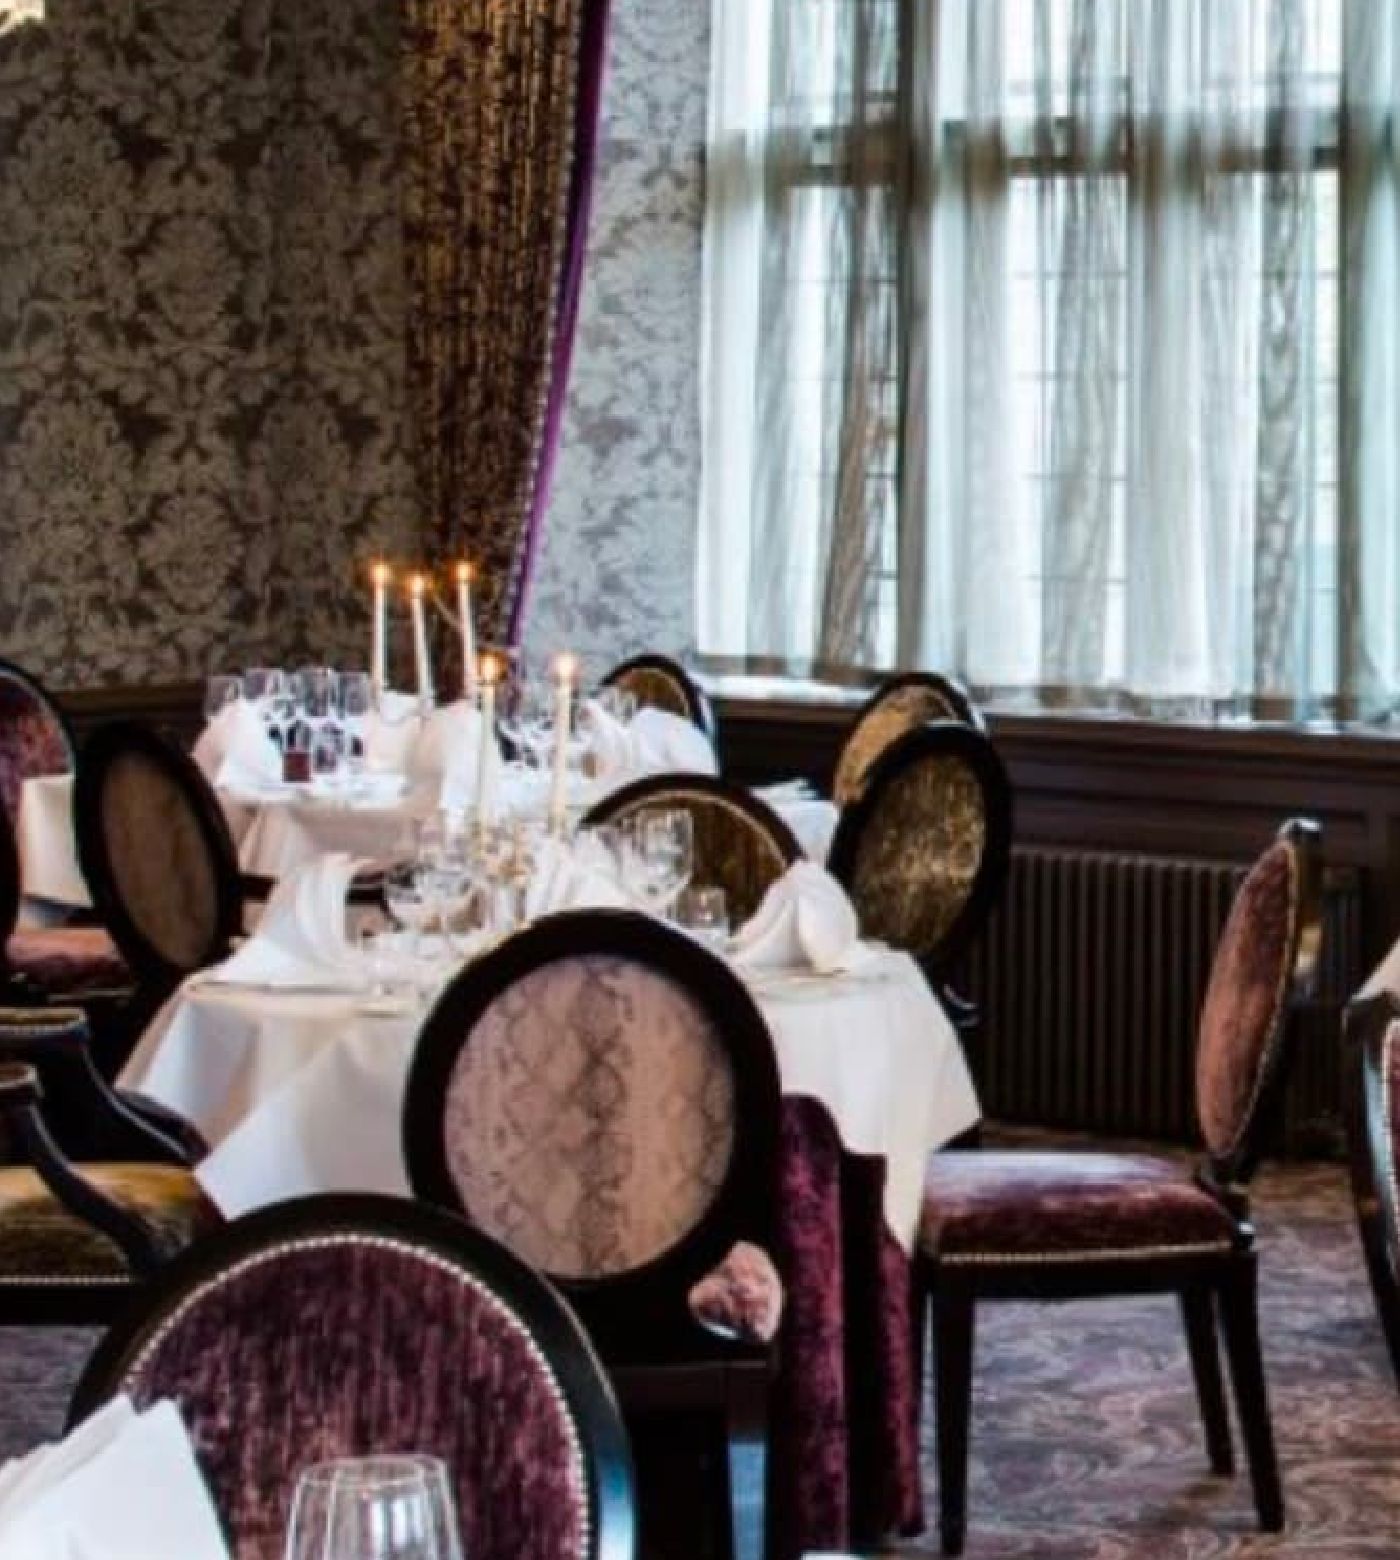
[
  {"x": 236, "y": 751},
  {"x": 90, "y": 1496},
  {"x": 300, "y": 940},
  {"x": 578, "y": 876},
  {"x": 805, "y": 919},
  {"x": 448, "y": 754},
  {"x": 652, "y": 742}
]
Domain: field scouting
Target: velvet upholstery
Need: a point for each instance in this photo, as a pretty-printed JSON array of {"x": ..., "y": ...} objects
[
  {"x": 1024, "y": 1207},
  {"x": 33, "y": 740},
  {"x": 1248, "y": 986},
  {"x": 41, "y": 1241},
  {"x": 885, "y": 719},
  {"x": 917, "y": 860},
  {"x": 742, "y": 1297},
  {"x": 589, "y": 1121},
  {"x": 66, "y": 960},
  {"x": 161, "y": 866},
  {"x": 741, "y": 846},
  {"x": 343, "y": 1343}
]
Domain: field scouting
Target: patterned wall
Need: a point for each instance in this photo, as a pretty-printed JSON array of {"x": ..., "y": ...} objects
[
  {"x": 617, "y": 573},
  {"x": 201, "y": 339}
]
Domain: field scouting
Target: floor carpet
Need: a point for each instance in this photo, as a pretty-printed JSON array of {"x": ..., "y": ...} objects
[{"x": 1086, "y": 1441}]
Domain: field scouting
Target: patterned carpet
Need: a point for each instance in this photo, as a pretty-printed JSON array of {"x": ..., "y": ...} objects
[{"x": 1086, "y": 1442}]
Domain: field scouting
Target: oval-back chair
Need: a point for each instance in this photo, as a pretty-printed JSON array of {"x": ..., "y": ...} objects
[
  {"x": 34, "y": 736},
  {"x": 357, "y": 1325},
  {"x": 741, "y": 844},
  {"x": 899, "y": 704},
  {"x": 1373, "y": 1132},
  {"x": 658, "y": 682}
]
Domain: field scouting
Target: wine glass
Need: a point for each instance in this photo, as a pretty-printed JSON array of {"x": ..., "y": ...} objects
[
  {"x": 356, "y": 706},
  {"x": 659, "y": 856},
  {"x": 373, "y": 1508},
  {"x": 220, "y": 691}
]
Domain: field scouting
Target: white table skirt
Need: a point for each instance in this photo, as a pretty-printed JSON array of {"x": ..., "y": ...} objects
[
  {"x": 276, "y": 836},
  {"x": 303, "y": 1093}
]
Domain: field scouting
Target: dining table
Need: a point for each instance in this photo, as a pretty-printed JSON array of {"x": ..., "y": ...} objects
[{"x": 300, "y": 1091}]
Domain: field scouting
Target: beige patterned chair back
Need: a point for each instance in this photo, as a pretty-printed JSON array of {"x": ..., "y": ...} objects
[
  {"x": 901, "y": 705},
  {"x": 590, "y": 1118},
  {"x": 741, "y": 844},
  {"x": 657, "y": 682},
  {"x": 924, "y": 848}
]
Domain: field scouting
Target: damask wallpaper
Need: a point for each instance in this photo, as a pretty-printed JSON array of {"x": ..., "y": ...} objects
[
  {"x": 202, "y": 322},
  {"x": 201, "y": 332}
]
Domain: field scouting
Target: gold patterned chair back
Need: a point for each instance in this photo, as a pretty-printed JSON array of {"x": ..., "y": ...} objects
[
  {"x": 924, "y": 847},
  {"x": 900, "y": 704},
  {"x": 657, "y": 682},
  {"x": 155, "y": 851},
  {"x": 741, "y": 844}
]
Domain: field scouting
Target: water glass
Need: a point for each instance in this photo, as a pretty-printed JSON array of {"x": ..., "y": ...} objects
[
  {"x": 704, "y": 913},
  {"x": 219, "y": 692},
  {"x": 374, "y": 1508},
  {"x": 660, "y": 855}
]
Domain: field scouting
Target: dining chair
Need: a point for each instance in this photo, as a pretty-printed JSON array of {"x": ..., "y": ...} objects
[
  {"x": 1372, "y": 1033},
  {"x": 339, "y": 1326},
  {"x": 923, "y": 850},
  {"x": 94, "y": 1199},
  {"x": 741, "y": 844},
  {"x": 34, "y": 736},
  {"x": 658, "y": 682},
  {"x": 600, "y": 1093},
  {"x": 899, "y": 704},
  {"x": 1074, "y": 1226}
]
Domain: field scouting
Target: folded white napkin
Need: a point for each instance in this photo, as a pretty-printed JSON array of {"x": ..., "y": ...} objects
[
  {"x": 90, "y": 1496},
  {"x": 577, "y": 876},
  {"x": 391, "y": 731},
  {"x": 784, "y": 791},
  {"x": 300, "y": 940},
  {"x": 448, "y": 754},
  {"x": 805, "y": 919},
  {"x": 652, "y": 742},
  {"x": 235, "y": 750}
]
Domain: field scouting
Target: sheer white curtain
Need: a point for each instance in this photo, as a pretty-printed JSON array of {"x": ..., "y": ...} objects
[{"x": 1056, "y": 342}]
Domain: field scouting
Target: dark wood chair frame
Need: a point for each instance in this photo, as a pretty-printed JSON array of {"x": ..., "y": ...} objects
[
  {"x": 696, "y": 700},
  {"x": 1372, "y": 1156},
  {"x": 536, "y": 1303},
  {"x": 659, "y": 1357},
  {"x": 1206, "y": 1284},
  {"x": 942, "y": 739}
]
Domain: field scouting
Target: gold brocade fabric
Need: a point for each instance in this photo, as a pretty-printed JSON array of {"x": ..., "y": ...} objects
[
  {"x": 918, "y": 858},
  {"x": 654, "y": 690},
  {"x": 489, "y": 105},
  {"x": 901, "y": 710}
]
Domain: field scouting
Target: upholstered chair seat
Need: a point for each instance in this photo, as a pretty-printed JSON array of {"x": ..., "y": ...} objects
[
  {"x": 742, "y": 1298},
  {"x": 1021, "y": 1207},
  {"x": 66, "y": 960},
  {"x": 40, "y": 1240}
]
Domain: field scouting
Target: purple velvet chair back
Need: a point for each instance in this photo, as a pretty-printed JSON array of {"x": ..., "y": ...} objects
[
  {"x": 1372, "y": 1033},
  {"x": 34, "y": 740},
  {"x": 346, "y": 1326},
  {"x": 1266, "y": 955}
]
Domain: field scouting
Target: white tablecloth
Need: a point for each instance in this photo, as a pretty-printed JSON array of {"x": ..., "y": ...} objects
[
  {"x": 302, "y": 1093},
  {"x": 277, "y": 835}
]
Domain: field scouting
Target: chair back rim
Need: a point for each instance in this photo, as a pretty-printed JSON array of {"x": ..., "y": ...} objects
[
  {"x": 953, "y": 693},
  {"x": 692, "y": 694},
  {"x": 103, "y": 749},
  {"x": 945, "y": 739},
  {"x": 306, "y": 1221},
  {"x": 742, "y": 1206},
  {"x": 1236, "y": 1166},
  {"x": 11, "y": 671}
]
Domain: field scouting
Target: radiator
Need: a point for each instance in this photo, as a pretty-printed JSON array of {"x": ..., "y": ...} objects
[{"x": 1090, "y": 977}]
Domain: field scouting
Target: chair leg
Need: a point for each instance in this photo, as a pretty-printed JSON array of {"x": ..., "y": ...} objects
[
  {"x": 1239, "y": 1315},
  {"x": 952, "y": 1350},
  {"x": 1198, "y": 1315}
]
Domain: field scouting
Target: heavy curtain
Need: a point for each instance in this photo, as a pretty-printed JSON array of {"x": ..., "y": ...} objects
[
  {"x": 1057, "y": 343},
  {"x": 501, "y": 107}
]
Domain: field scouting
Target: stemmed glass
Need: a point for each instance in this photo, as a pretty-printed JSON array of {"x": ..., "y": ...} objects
[
  {"x": 658, "y": 856},
  {"x": 356, "y": 706},
  {"x": 374, "y": 1508},
  {"x": 219, "y": 692}
]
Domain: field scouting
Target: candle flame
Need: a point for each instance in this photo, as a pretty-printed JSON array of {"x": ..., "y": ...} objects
[
  {"x": 464, "y": 573},
  {"x": 565, "y": 666},
  {"x": 381, "y": 573},
  {"x": 489, "y": 670},
  {"x": 418, "y": 584}
]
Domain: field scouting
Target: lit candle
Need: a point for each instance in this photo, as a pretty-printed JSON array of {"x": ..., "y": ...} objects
[
  {"x": 486, "y": 752},
  {"x": 563, "y": 712},
  {"x": 417, "y": 588},
  {"x": 381, "y": 575},
  {"x": 464, "y": 612}
]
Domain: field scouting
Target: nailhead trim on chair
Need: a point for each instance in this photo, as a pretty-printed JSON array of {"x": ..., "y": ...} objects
[
  {"x": 577, "y": 1489},
  {"x": 1107, "y": 1254}
]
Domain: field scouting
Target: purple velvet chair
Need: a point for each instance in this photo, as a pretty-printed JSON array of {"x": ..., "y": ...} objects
[
  {"x": 34, "y": 736},
  {"x": 1373, "y": 1131},
  {"x": 601, "y": 1094},
  {"x": 1065, "y": 1226},
  {"x": 354, "y": 1325},
  {"x": 658, "y": 682}
]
